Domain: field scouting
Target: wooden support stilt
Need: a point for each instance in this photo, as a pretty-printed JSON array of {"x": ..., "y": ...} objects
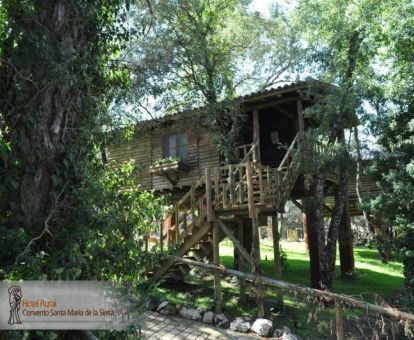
[
  {"x": 241, "y": 264},
  {"x": 277, "y": 257},
  {"x": 216, "y": 262},
  {"x": 242, "y": 251},
  {"x": 257, "y": 269}
]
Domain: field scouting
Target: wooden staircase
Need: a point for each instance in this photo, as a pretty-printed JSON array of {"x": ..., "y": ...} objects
[{"x": 233, "y": 189}]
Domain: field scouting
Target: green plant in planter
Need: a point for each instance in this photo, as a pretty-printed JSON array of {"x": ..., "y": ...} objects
[{"x": 166, "y": 160}]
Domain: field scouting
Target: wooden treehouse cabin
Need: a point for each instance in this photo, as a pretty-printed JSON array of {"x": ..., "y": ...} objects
[{"x": 211, "y": 200}]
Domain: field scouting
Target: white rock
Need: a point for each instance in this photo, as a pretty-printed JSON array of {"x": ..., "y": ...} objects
[
  {"x": 162, "y": 305},
  {"x": 263, "y": 327},
  {"x": 208, "y": 317},
  {"x": 220, "y": 317},
  {"x": 190, "y": 314},
  {"x": 289, "y": 336},
  {"x": 239, "y": 325},
  {"x": 234, "y": 280},
  {"x": 221, "y": 320},
  {"x": 168, "y": 310}
]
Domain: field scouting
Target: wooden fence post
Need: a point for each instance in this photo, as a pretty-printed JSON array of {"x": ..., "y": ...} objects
[
  {"x": 339, "y": 322},
  {"x": 217, "y": 274},
  {"x": 277, "y": 258}
]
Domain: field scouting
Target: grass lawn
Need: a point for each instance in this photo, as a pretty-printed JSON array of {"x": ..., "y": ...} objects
[{"x": 373, "y": 278}]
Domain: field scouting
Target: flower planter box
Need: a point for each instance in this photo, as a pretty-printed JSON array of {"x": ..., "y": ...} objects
[{"x": 170, "y": 170}]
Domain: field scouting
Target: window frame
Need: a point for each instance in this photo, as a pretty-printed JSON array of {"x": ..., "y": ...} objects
[{"x": 166, "y": 149}]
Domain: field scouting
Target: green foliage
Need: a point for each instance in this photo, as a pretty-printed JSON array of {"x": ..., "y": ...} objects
[
  {"x": 166, "y": 160},
  {"x": 374, "y": 40},
  {"x": 203, "y": 53},
  {"x": 99, "y": 235}
]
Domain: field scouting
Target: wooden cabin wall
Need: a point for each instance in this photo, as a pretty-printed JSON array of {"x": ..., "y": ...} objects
[
  {"x": 148, "y": 148},
  {"x": 138, "y": 149}
]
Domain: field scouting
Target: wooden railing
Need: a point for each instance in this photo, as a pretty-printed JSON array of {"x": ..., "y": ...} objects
[
  {"x": 229, "y": 185},
  {"x": 247, "y": 153},
  {"x": 235, "y": 186},
  {"x": 289, "y": 169},
  {"x": 312, "y": 147}
]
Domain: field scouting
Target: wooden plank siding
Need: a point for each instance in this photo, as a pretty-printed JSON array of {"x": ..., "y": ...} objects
[{"x": 148, "y": 148}]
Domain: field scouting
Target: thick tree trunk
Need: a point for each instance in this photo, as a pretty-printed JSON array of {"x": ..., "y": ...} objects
[
  {"x": 346, "y": 246},
  {"x": 42, "y": 106},
  {"x": 310, "y": 224},
  {"x": 358, "y": 178},
  {"x": 340, "y": 200},
  {"x": 320, "y": 225}
]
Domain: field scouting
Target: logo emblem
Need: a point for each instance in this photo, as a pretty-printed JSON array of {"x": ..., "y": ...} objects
[{"x": 15, "y": 297}]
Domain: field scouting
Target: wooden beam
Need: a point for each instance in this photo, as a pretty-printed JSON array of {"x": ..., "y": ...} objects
[
  {"x": 326, "y": 295},
  {"x": 236, "y": 242},
  {"x": 270, "y": 103},
  {"x": 216, "y": 261}
]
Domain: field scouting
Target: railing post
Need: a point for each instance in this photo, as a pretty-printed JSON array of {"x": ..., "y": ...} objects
[
  {"x": 177, "y": 225},
  {"x": 269, "y": 187},
  {"x": 216, "y": 186},
  {"x": 210, "y": 216},
  {"x": 261, "y": 188},
  {"x": 232, "y": 185},
  {"x": 250, "y": 193},
  {"x": 193, "y": 202}
]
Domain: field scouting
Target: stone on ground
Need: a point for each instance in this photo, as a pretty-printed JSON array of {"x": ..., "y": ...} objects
[
  {"x": 208, "y": 317},
  {"x": 190, "y": 314},
  {"x": 262, "y": 327},
  {"x": 284, "y": 333},
  {"x": 221, "y": 320},
  {"x": 166, "y": 308},
  {"x": 239, "y": 324}
]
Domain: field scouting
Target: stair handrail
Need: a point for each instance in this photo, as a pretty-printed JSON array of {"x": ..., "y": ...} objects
[
  {"x": 251, "y": 151},
  {"x": 286, "y": 180},
  {"x": 288, "y": 153}
]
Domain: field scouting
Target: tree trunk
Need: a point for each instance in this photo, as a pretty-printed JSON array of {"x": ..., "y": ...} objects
[
  {"x": 310, "y": 224},
  {"x": 340, "y": 200},
  {"x": 44, "y": 105},
  {"x": 346, "y": 247},
  {"x": 358, "y": 179}
]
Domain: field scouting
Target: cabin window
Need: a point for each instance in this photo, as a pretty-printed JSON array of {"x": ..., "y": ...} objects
[{"x": 175, "y": 145}]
